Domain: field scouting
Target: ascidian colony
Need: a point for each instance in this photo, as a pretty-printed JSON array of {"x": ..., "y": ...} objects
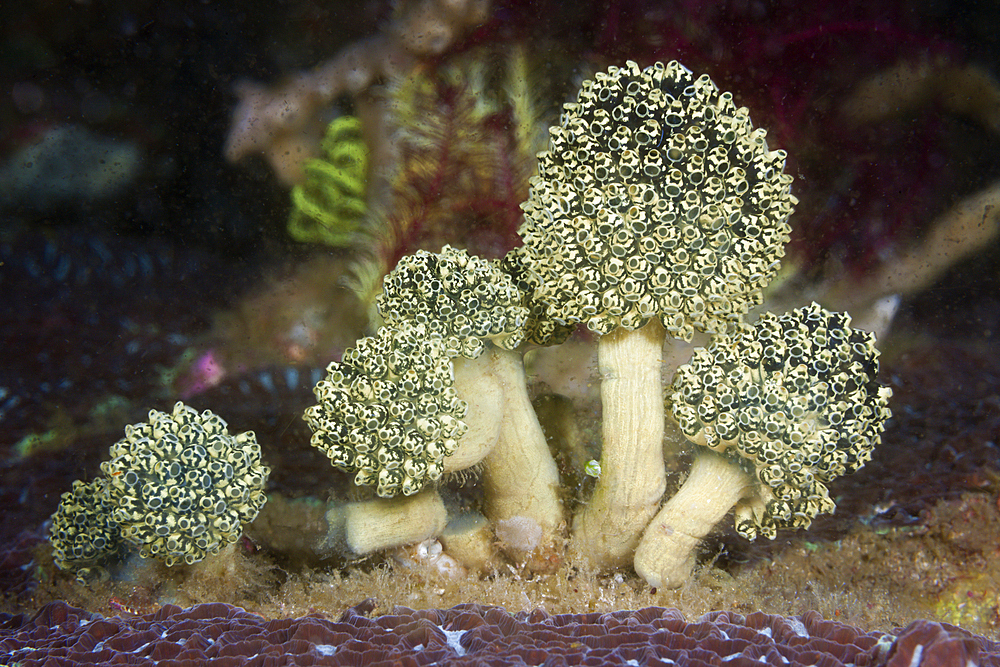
[{"x": 472, "y": 332}]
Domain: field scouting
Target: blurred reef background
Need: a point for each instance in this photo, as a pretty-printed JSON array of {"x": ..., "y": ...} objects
[{"x": 171, "y": 228}]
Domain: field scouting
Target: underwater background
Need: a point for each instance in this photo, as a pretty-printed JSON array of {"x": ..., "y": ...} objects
[{"x": 167, "y": 232}]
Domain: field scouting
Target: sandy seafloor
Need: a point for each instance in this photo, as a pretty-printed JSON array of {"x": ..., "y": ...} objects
[{"x": 916, "y": 533}]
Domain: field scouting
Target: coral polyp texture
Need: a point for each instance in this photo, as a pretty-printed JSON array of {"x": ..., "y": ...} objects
[
  {"x": 473, "y": 634},
  {"x": 181, "y": 486},
  {"x": 795, "y": 401},
  {"x": 656, "y": 198},
  {"x": 83, "y": 534},
  {"x": 388, "y": 411},
  {"x": 329, "y": 206}
]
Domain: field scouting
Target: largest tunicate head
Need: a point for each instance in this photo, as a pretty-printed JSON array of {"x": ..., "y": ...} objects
[{"x": 656, "y": 198}]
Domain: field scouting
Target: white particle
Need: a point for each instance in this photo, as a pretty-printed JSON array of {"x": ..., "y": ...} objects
[
  {"x": 454, "y": 640},
  {"x": 797, "y": 627}
]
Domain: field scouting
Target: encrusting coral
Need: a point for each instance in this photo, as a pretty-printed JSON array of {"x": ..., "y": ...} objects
[
  {"x": 784, "y": 408},
  {"x": 476, "y": 634},
  {"x": 657, "y": 209}
]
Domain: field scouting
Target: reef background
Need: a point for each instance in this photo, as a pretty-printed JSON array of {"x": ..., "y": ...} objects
[{"x": 109, "y": 293}]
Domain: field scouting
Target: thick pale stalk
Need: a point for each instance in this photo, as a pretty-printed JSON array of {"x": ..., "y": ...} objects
[
  {"x": 520, "y": 478},
  {"x": 632, "y": 472},
  {"x": 666, "y": 553},
  {"x": 477, "y": 385},
  {"x": 374, "y": 525}
]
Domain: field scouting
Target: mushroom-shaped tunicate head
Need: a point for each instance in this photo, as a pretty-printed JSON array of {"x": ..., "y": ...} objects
[
  {"x": 388, "y": 411},
  {"x": 541, "y": 327},
  {"x": 182, "y": 487},
  {"x": 83, "y": 533},
  {"x": 462, "y": 299},
  {"x": 656, "y": 198},
  {"x": 794, "y": 399}
]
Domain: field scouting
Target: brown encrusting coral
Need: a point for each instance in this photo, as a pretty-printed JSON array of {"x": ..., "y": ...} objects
[{"x": 472, "y": 634}]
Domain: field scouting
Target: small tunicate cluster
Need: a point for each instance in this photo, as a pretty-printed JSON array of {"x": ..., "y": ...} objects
[
  {"x": 83, "y": 533},
  {"x": 540, "y": 328},
  {"x": 795, "y": 400},
  {"x": 462, "y": 299},
  {"x": 182, "y": 487},
  {"x": 656, "y": 198},
  {"x": 388, "y": 411},
  {"x": 178, "y": 487}
]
